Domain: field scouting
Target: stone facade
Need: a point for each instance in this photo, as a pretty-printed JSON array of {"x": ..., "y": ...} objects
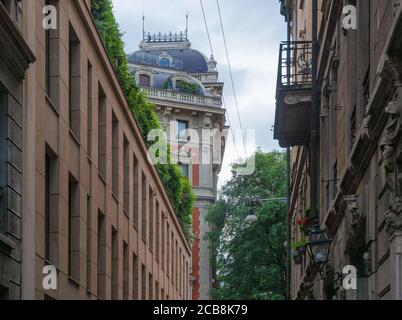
[
  {"x": 15, "y": 57},
  {"x": 360, "y": 91},
  {"x": 78, "y": 191},
  {"x": 161, "y": 67}
]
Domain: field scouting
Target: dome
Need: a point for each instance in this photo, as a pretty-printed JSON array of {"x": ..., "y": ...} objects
[{"x": 185, "y": 60}]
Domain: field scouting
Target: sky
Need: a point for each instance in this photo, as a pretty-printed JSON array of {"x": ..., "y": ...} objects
[{"x": 253, "y": 29}]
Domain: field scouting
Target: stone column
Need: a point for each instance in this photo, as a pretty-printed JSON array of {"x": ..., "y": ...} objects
[{"x": 394, "y": 228}]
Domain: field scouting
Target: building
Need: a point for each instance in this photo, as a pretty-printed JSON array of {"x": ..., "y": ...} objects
[
  {"x": 78, "y": 192},
  {"x": 184, "y": 86},
  {"x": 347, "y": 181},
  {"x": 15, "y": 58}
]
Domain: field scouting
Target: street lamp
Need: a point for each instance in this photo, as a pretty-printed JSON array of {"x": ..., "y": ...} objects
[
  {"x": 318, "y": 248},
  {"x": 251, "y": 218}
]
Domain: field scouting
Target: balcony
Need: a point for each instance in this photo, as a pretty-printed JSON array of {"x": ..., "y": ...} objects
[
  {"x": 186, "y": 98},
  {"x": 293, "y": 94}
]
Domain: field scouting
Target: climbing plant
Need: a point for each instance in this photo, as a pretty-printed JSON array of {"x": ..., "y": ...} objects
[{"x": 177, "y": 186}]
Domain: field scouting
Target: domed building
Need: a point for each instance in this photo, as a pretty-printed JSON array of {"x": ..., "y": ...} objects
[{"x": 183, "y": 84}]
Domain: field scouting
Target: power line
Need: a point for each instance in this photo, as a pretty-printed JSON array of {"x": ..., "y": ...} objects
[
  {"x": 223, "y": 98},
  {"x": 206, "y": 27},
  {"x": 231, "y": 75}
]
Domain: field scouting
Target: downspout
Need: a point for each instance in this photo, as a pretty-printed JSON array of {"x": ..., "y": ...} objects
[
  {"x": 314, "y": 147},
  {"x": 289, "y": 226}
]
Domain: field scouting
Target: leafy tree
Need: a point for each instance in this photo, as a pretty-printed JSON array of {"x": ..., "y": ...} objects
[
  {"x": 177, "y": 186},
  {"x": 250, "y": 260}
]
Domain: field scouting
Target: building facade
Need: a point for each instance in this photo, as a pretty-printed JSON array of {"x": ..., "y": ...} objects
[
  {"x": 78, "y": 192},
  {"x": 183, "y": 85},
  {"x": 15, "y": 58},
  {"x": 359, "y": 95}
]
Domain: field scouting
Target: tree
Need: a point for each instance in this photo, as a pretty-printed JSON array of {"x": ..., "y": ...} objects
[
  {"x": 178, "y": 187},
  {"x": 250, "y": 260}
]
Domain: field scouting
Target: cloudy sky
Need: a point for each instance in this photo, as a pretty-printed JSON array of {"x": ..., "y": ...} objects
[{"x": 253, "y": 30}]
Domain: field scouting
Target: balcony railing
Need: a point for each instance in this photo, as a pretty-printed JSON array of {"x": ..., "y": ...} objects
[
  {"x": 295, "y": 64},
  {"x": 186, "y": 98},
  {"x": 293, "y": 95}
]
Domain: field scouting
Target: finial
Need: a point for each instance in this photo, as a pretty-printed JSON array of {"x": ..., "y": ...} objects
[
  {"x": 143, "y": 27},
  {"x": 187, "y": 16}
]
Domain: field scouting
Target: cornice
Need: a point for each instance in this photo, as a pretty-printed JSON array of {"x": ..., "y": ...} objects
[{"x": 15, "y": 51}]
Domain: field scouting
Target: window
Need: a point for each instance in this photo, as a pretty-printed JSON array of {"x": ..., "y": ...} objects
[
  {"x": 185, "y": 170},
  {"x": 163, "y": 244},
  {"x": 89, "y": 243},
  {"x": 115, "y": 155},
  {"x": 145, "y": 80},
  {"x": 151, "y": 287},
  {"x": 50, "y": 190},
  {"x": 74, "y": 83},
  {"x": 172, "y": 259},
  {"x": 158, "y": 229},
  {"x": 126, "y": 271},
  {"x": 126, "y": 180},
  {"x": 3, "y": 108},
  {"x": 135, "y": 278},
  {"x": 182, "y": 130},
  {"x": 151, "y": 199},
  {"x": 101, "y": 132},
  {"x": 144, "y": 282},
  {"x": 73, "y": 229},
  {"x": 168, "y": 250},
  {"x": 136, "y": 190},
  {"x": 101, "y": 256},
  {"x": 144, "y": 208},
  {"x": 115, "y": 264},
  {"x": 89, "y": 110},
  {"x": 164, "y": 62}
]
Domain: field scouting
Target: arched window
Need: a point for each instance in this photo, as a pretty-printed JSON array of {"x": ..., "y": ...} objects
[
  {"x": 145, "y": 80},
  {"x": 164, "y": 62}
]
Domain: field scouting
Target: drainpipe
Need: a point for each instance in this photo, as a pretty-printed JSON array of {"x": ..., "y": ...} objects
[
  {"x": 289, "y": 226},
  {"x": 314, "y": 147}
]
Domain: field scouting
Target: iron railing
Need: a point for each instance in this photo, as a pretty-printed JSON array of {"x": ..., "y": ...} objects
[{"x": 295, "y": 64}]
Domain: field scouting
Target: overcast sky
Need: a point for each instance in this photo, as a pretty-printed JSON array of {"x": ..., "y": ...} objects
[{"x": 253, "y": 30}]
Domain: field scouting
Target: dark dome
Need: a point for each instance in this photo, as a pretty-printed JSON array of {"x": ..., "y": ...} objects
[{"x": 186, "y": 60}]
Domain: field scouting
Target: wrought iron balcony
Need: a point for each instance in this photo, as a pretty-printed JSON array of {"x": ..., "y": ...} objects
[{"x": 293, "y": 94}]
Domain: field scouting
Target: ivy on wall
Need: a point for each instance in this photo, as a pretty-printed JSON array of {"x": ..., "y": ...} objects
[{"x": 177, "y": 186}]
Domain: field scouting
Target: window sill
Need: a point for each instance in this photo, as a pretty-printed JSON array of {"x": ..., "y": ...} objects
[
  {"x": 6, "y": 244},
  {"x": 73, "y": 281},
  {"x": 72, "y": 135},
  {"x": 52, "y": 105},
  {"x": 101, "y": 178},
  {"x": 126, "y": 214}
]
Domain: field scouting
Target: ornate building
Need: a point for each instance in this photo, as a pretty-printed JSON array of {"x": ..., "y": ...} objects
[
  {"x": 183, "y": 84},
  {"x": 348, "y": 182}
]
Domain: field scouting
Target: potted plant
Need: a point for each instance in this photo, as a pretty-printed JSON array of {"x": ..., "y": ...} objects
[
  {"x": 298, "y": 251},
  {"x": 303, "y": 222}
]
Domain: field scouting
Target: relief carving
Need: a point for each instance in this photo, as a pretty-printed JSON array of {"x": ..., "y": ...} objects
[
  {"x": 393, "y": 217},
  {"x": 389, "y": 143}
]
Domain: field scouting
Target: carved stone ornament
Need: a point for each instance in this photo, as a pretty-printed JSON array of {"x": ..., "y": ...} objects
[
  {"x": 389, "y": 143},
  {"x": 393, "y": 217},
  {"x": 295, "y": 99},
  {"x": 352, "y": 210}
]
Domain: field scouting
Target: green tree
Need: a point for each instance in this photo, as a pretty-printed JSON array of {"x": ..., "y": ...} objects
[
  {"x": 177, "y": 186},
  {"x": 250, "y": 260}
]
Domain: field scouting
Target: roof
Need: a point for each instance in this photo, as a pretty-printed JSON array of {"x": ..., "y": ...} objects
[{"x": 185, "y": 60}]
